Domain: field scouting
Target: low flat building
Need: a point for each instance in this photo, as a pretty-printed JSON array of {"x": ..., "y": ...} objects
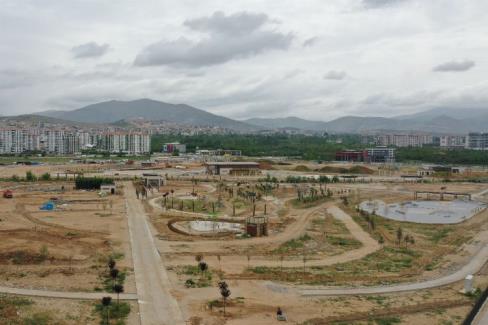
[
  {"x": 153, "y": 180},
  {"x": 352, "y": 155},
  {"x": 235, "y": 168}
]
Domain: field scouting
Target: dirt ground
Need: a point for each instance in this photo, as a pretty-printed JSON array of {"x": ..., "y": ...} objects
[
  {"x": 255, "y": 298},
  {"x": 66, "y": 248},
  {"x": 20, "y": 310}
]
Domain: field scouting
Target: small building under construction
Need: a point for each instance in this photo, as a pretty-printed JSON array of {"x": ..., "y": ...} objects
[
  {"x": 257, "y": 226},
  {"x": 153, "y": 180},
  {"x": 234, "y": 168}
]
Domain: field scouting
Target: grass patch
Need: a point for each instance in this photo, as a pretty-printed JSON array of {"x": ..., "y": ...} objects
[
  {"x": 116, "y": 311},
  {"x": 293, "y": 244},
  {"x": 340, "y": 241},
  {"x": 387, "y": 321}
]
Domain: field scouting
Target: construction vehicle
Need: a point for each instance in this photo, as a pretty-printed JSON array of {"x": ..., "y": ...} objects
[{"x": 8, "y": 194}]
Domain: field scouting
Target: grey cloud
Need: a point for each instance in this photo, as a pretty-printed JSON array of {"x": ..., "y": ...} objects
[
  {"x": 89, "y": 50},
  {"x": 310, "y": 41},
  {"x": 235, "y": 24},
  {"x": 335, "y": 75},
  {"x": 229, "y": 37},
  {"x": 454, "y": 66},
  {"x": 380, "y": 3}
]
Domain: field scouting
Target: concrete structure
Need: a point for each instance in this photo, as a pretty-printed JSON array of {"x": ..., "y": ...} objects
[
  {"x": 174, "y": 147},
  {"x": 153, "y": 180},
  {"x": 441, "y": 195},
  {"x": 381, "y": 155},
  {"x": 352, "y": 155},
  {"x": 219, "y": 152},
  {"x": 233, "y": 168},
  {"x": 468, "y": 283},
  {"x": 257, "y": 226},
  {"x": 108, "y": 188}
]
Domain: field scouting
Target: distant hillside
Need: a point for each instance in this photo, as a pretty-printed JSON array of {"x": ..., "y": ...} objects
[
  {"x": 116, "y": 111},
  {"x": 35, "y": 119},
  {"x": 438, "y": 120},
  {"x": 288, "y": 122}
]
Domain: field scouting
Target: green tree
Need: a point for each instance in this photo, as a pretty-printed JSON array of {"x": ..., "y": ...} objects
[{"x": 30, "y": 177}]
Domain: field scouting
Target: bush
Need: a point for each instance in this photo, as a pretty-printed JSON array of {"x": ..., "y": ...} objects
[
  {"x": 30, "y": 177},
  {"x": 38, "y": 319},
  {"x": 91, "y": 183},
  {"x": 46, "y": 177}
]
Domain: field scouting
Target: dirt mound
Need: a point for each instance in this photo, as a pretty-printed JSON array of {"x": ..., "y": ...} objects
[
  {"x": 344, "y": 170},
  {"x": 301, "y": 168}
]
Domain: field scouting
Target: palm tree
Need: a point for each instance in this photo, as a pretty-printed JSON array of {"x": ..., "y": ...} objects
[
  {"x": 118, "y": 289},
  {"x": 106, "y": 301}
]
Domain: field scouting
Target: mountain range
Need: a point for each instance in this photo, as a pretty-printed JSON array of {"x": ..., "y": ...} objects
[
  {"x": 437, "y": 120},
  {"x": 115, "y": 111}
]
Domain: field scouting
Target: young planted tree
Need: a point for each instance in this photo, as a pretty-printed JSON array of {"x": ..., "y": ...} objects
[
  {"x": 111, "y": 263},
  {"x": 381, "y": 240},
  {"x": 118, "y": 289},
  {"x": 199, "y": 258},
  {"x": 399, "y": 235},
  {"x": 114, "y": 273},
  {"x": 106, "y": 301},
  {"x": 224, "y": 292},
  {"x": 203, "y": 267}
]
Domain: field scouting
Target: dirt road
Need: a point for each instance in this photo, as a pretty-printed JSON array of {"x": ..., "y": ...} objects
[
  {"x": 235, "y": 264},
  {"x": 156, "y": 304}
]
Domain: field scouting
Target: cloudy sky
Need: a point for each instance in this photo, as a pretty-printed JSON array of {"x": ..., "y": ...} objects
[{"x": 314, "y": 59}]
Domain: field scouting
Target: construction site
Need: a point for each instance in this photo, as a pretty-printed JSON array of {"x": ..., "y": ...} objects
[{"x": 372, "y": 249}]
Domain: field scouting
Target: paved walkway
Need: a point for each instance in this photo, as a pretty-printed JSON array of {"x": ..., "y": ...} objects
[
  {"x": 474, "y": 265},
  {"x": 65, "y": 294},
  {"x": 156, "y": 304}
]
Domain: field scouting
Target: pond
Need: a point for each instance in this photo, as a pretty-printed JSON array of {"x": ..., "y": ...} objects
[
  {"x": 214, "y": 226},
  {"x": 432, "y": 212}
]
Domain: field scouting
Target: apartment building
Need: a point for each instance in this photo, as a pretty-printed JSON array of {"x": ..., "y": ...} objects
[
  {"x": 14, "y": 141},
  {"x": 452, "y": 141},
  {"x": 405, "y": 140},
  {"x": 477, "y": 141},
  {"x": 66, "y": 142}
]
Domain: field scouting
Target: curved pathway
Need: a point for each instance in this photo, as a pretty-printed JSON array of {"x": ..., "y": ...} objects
[
  {"x": 472, "y": 267},
  {"x": 369, "y": 245}
]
